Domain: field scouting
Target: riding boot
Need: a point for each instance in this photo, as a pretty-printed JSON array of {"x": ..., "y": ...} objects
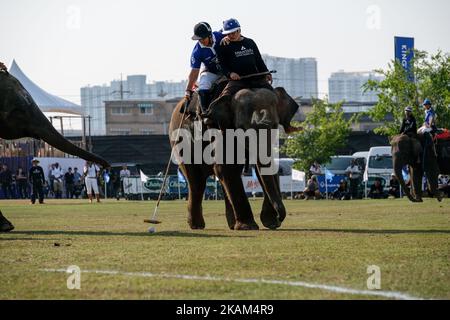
[{"x": 205, "y": 100}]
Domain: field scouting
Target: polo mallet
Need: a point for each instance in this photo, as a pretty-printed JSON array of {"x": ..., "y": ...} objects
[{"x": 153, "y": 219}]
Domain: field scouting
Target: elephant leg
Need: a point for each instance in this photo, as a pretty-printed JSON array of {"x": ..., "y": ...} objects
[
  {"x": 273, "y": 211},
  {"x": 432, "y": 180},
  {"x": 230, "y": 178},
  {"x": 197, "y": 184},
  {"x": 5, "y": 225},
  {"x": 398, "y": 167},
  {"x": 416, "y": 178},
  {"x": 229, "y": 212}
]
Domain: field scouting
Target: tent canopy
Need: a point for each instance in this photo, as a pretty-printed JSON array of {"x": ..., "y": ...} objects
[{"x": 46, "y": 101}]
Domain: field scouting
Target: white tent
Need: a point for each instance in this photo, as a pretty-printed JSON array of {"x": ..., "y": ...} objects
[{"x": 46, "y": 101}]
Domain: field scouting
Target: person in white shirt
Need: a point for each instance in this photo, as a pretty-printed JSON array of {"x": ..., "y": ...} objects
[
  {"x": 124, "y": 173},
  {"x": 354, "y": 175},
  {"x": 58, "y": 184},
  {"x": 91, "y": 173},
  {"x": 315, "y": 169}
]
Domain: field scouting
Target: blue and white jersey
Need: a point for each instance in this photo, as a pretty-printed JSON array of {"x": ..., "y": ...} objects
[
  {"x": 207, "y": 55},
  {"x": 430, "y": 117}
]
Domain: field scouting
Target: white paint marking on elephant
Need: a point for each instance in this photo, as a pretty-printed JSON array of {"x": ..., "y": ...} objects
[
  {"x": 257, "y": 119},
  {"x": 336, "y": 289}
]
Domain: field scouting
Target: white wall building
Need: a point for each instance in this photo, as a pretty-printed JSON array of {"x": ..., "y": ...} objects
[
  {"x": 348, "y": 86},
  {"x": 297, "y": 76}
]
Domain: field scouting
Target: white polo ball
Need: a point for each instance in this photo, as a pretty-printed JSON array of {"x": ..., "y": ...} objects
[{"x": 151, "y": 230}]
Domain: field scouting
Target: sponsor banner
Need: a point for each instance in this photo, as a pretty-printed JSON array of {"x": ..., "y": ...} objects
[
  {"x": 404, "y": 53},
  {"x": 331, "y": 185}
]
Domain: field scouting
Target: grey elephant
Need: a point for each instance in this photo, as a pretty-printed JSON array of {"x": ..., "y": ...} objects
[
  {"x": 20, "y": 117},
  {"x": 421, "y": 159},
  {"x": 248, "y": 109}
]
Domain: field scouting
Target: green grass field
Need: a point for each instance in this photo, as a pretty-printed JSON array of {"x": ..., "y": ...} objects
[{"x": 321, "y": 242}]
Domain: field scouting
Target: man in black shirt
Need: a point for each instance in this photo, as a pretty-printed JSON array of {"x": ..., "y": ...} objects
[
  {"x": 409, "y": 124},
  {"x": 239, "y": 59},
  {"x": 37, "y": 180},
  {"x": 69, "y": 179}
]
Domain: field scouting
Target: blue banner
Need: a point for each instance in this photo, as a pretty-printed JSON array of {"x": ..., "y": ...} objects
[
  {"x": 404, "y": 53},
  {"x": 332, "y": 184}
]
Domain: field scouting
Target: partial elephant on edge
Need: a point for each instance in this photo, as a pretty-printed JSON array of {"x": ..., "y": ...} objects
[
  {"x": 271, "y": 109},
  {"x": 406, "y": 151},
  {"x": 20, "y": 117}
]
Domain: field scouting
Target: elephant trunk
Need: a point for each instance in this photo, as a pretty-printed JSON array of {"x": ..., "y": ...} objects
[{"x": 50, "y": 135}]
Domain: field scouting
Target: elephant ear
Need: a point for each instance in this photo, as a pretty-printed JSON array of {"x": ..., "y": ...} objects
[
  {"x": 287, "y": 107},
  {"x": 221, "y": 113}
]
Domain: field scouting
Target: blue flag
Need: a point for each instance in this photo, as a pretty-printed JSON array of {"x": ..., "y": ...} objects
[
  {"x": 328, "y": 175},
  {"x": 181, "y": 177}
]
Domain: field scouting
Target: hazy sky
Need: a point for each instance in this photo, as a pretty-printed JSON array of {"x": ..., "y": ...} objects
[{"x": 63, "y": 45}]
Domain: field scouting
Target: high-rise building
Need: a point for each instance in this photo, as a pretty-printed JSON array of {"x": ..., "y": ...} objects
[
  {"x": 135, "y": 87},
  {"x": 297, "y": 76},
  {"x": 348, "y": 86}
]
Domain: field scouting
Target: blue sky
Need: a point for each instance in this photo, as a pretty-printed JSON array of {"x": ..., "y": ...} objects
[{"x": 65, "y": 44}]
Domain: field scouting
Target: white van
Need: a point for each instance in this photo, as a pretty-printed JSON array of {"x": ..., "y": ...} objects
[{"x": 379, "y": 164}]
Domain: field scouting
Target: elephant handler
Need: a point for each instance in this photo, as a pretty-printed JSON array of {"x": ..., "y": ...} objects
[
  {"x": 409, "y": 124},
  {"x": 204, "y": 62},
  {"x": 3, "y": 67},
  {"x": 239, "y": 58}
]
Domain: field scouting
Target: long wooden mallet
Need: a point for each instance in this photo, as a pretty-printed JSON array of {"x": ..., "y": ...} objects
[{"x": 153, "y": 219}]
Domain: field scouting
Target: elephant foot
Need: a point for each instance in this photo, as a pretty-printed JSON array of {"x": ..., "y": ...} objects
[
  {"x": 197, "y": 224},
  {"x": 246, "y": 226},
  {"x": 272, "y": 225},
  {"x": 5, "y": 225}
]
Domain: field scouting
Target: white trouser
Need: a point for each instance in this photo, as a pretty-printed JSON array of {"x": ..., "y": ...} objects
[
  {"x": 91, "y": 184},
  {"x": 206, "y": 80},
  {"x": 424, "y": 129}
]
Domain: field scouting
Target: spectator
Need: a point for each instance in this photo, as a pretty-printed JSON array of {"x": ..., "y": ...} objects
[
  {"x": 341, "y": 192},
  {"x": 58, "y": 186},
  {"x": 69, "y": 179},
  {"x": 354, "y": 174},
  {"x": 394, "y": 187},
  {"x": 444, "y": 184},
  {"x": 116, "y": 185},
  {"x": 6, "y": 181},
  {"x": 124, "y": 173},
  {"x": 51, "y": 179},
  {"x": 78, "y": 183},
  {"x": 22, "y": 183},
  {"x": 37, "y": 180},
  {"x": 312, "y": 189},
  {"x": 315, "y": 169},
  {"x": 91, "y": 173},
  {"x": 377, "y": 191}
]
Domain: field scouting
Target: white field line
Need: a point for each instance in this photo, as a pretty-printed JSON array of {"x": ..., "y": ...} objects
[{"x": 383, "y": 294}]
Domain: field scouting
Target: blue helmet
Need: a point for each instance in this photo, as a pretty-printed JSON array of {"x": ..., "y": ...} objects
[
  {"x": 427, "y": 102},
  {"x": 230, "y": 26}
]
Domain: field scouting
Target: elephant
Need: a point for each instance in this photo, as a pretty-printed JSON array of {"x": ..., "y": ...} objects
[
  {"x": 407, "y": 151},
  {"x": 20, "y": 117},
  {"x": 237, "y": 112}
]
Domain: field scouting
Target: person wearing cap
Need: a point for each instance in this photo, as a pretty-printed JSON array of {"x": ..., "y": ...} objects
[
  {"x": 409, "y": 124},
  {"x": 430, "y": 118},
  {"x": 37, "y": 179},
  {"x": 204, "y": 63},
  {"x": 240, "y": 57}
]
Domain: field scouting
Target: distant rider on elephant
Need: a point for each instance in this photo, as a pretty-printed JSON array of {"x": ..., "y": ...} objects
[
  {"x": 428, "y": 128},
  {"x": 204, "y": 63}
]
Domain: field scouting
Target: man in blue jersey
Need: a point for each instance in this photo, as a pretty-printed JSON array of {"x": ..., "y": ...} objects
[{"x": 204, "y": 63}]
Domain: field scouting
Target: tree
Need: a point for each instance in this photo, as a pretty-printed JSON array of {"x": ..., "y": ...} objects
[
  {"x": 325, "y": 131},
  {"x": 396, "y": 91}
]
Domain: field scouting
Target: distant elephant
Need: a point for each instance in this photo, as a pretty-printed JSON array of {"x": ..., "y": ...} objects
[
  {"x": 406, "y": 151},
  {"x": 273, "y": 108},
  {"x": 20, "y": 117}
]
